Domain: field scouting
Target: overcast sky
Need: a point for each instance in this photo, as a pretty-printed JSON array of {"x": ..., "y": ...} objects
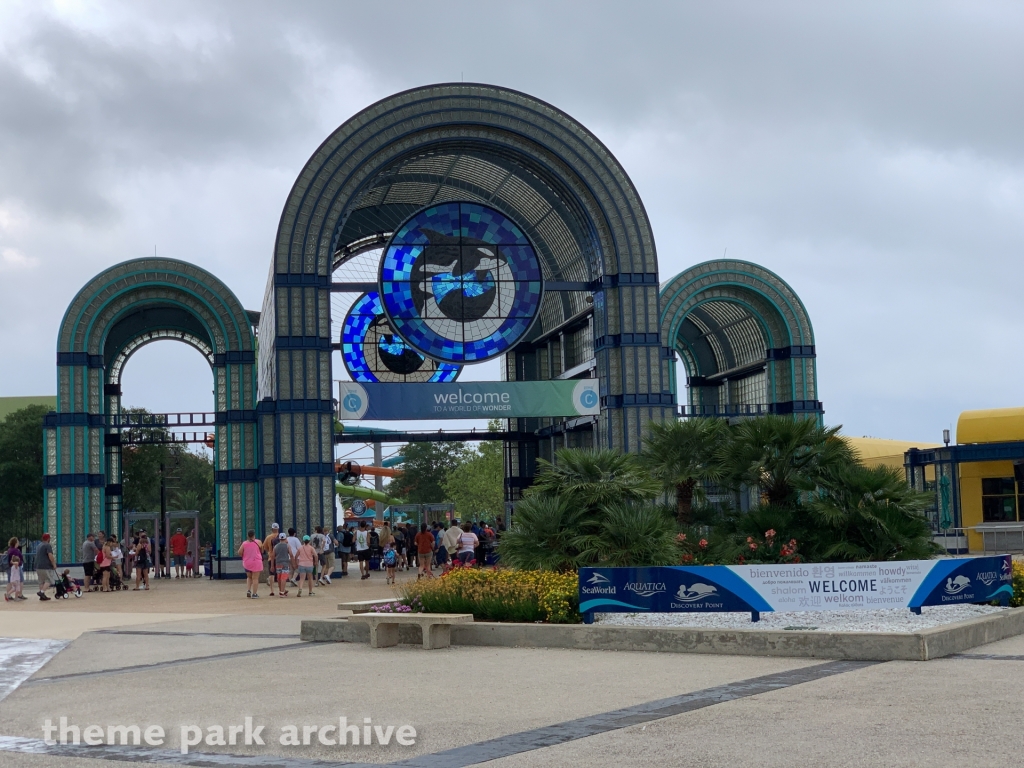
[{"x": 872, "y": 155}]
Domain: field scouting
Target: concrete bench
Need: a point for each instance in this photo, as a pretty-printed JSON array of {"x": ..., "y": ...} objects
[{"x": 437, "y": 627}]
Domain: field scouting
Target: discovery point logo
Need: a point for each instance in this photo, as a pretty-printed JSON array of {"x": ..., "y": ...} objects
[
  {"x": 695, "y": 592},
  {"x": 957, "y": 585}
]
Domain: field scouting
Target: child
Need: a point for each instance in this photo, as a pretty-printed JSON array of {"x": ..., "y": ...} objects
[
  {"x": 189, "y": 566},
  {"x": 14, "y": 581},
  {"x": 390, "y": 561},
  {"x": 282, "y": 563}
]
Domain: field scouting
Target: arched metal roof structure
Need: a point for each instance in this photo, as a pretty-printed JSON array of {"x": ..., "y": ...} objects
[
  {"x": 471, "y": 143},
  {"x": 745, "y": 339},
  {"x": 117, "y": 312}
]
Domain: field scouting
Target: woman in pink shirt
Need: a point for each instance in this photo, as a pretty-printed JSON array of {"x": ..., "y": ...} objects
[
  {"x": 306, "y": 556},
  {"x": 252, "y": 560}
]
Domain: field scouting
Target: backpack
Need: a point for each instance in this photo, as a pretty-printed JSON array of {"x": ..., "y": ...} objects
[
  {"x": 347, "y": 539},
  {"x": 390, "y": 558},
  {"x": 5, "y": 563}
]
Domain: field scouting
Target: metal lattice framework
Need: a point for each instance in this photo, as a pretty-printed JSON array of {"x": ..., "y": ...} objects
[
  {"x": 117, "y": 312},
  {"x": 744, "y": 337},
  {"x": 468, "y": 143}
]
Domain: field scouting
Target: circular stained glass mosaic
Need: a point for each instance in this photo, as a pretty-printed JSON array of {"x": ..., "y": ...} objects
[
  {"x": 460, "y": 282},
  {"x": 373, "y": 352}
]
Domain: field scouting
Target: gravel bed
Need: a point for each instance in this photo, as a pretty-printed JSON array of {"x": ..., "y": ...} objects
[{"x": 882, "y": 620}]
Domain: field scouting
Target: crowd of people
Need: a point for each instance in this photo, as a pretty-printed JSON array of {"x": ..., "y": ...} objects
[
  {"x": 283, "y": 559},
  {"x": 287, "y": 561}
]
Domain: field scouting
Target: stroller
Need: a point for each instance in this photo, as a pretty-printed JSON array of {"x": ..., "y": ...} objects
[
  {"x": 66, "y": 586},
  {"x": 116, "y": 582}
]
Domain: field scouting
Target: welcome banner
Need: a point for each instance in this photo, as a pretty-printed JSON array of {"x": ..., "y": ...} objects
[
  {"x": 797, "y": 587},
  {"x": 472, "y": 400}
]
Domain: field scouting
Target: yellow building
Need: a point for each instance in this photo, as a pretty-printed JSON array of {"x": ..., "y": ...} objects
[{"x": 979, "y": 481}]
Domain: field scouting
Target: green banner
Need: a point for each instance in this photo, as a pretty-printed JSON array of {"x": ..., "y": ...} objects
[{"x": 472, "y": 400}]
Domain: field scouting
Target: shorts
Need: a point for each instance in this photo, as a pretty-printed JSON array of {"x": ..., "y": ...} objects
[
  {"x": 47, "y": 574},
  {"x": 89, "y": 568},
  {"x": 362, "y": 555},
  {"x": 142, "y": 564},
  {"x": 304, "y": 569},
  {"x": 345, "y": 550},
  {"x": 179, "y": 560},
  {"x": 424, "y": 557},
  {"x": 323, "y": 559},
  {"x": 465, "y": 557},
  {"x": 282, "y": 576}
]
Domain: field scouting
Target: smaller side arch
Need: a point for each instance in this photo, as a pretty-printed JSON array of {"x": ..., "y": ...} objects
[
  {"x": 120, "y": 310},
  {"x": 745, "y": 339}
]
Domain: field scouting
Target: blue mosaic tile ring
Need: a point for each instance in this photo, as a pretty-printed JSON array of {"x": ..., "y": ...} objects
[{"x": 461, "y": 283}]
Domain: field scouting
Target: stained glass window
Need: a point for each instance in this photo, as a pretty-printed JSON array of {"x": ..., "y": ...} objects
[
  {"x": 460, "y": 282},
  {"x": 373, "y": 352}
]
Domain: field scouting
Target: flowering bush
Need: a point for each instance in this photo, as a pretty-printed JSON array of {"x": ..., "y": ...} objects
[
  {"x": 499, "y": 594},
  {"x": 736, "y": 550},
  {"x": 1018, "y": 584}
]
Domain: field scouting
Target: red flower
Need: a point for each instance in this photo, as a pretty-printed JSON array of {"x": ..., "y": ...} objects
[
  {"x": 753, "y": 547},
  {"x": 703, "y": 543},
  {"x": 687, "y": 558},
  {"x": 742, "y": 560},
  {"x": 770, "y": 533}
]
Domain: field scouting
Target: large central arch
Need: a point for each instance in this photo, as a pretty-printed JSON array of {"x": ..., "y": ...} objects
[
  {"x": 116, "y": 313},
  {"x": 474, "y": 143}
]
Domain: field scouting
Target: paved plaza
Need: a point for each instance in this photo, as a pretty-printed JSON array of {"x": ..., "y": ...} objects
[{"x": 199, "y": 653}]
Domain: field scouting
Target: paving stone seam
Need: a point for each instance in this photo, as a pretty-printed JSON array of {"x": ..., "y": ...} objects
[
  {"x": 470, "y": 754},
  {"x": 987, "y": 656},
  {"x": 161, "y": 664},
  {"x": 189, "y": 634}
]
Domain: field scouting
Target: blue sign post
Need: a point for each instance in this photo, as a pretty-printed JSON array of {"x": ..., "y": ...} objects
[{"x": 795, "y": 586}]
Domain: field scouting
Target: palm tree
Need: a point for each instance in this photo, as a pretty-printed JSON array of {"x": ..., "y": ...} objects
[
  {"x": 631, "y": 534},
  {"x": 543, "y": 534},
  {"x": 592, "y": 479},
  {"x": 684, "y": 454},
  {"x": 784, "y": 456},
  {"x": 871, "y": 514}
]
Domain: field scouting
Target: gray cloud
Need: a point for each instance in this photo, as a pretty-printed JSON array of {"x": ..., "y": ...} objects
[{"x": 870, "y": 154}]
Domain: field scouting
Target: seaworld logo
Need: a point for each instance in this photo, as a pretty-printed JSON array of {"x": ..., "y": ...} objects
[
  {"x": 645, "y": 588},
  {"x": 599, "y": 585},
  {"x": 957, "y": 585},
  {"x": 695, "y": 592}
]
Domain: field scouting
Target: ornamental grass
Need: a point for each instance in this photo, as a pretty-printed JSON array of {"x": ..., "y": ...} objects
[{"x": 499, "y": 594}]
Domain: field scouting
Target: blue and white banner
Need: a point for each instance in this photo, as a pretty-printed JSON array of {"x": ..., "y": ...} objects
[
  {"x": 470, "y": 400},
  {"x": 796, "y": 587}
]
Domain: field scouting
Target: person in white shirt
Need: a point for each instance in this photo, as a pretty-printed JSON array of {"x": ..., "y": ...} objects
[
  {"x": 363, "y": 550},
  {"x": 294, "y": 545}
]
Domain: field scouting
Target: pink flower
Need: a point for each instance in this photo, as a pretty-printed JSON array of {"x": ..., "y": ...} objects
[
  {"x": 753, "y": 547},
  {"x": 681, "y": 537},
  {"x": 770, "y": 533},
  {"x": 703, "y": 543}
]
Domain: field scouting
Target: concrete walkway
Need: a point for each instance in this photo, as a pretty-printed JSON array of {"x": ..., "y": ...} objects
[{"x": 499, "y": 706}]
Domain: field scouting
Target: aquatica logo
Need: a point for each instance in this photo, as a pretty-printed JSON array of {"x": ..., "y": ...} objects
[
  {"x": 988, "y": 577},
  {"x": 645, "y": 588},
  {"x": 695, "y": 592},
  {"x": 352, "y": 400},
  {"x": 598, "y": 584},
  {"x": 585, "y": 398}
]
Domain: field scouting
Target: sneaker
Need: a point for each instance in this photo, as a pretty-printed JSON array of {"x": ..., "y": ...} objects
[
  {"x": 43, "y": 597},
  {"x": 7, "y": 598},
  {"x": 22, "y": 597},
  {"x": 255, "y": 596},
  {"x": 327, "y": 579},
  {"x": 299, "y": 594},
  {"x": 248, "y": 593}
]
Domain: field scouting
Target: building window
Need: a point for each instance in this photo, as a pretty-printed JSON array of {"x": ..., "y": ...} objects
[{"x": 999, "y": 500}]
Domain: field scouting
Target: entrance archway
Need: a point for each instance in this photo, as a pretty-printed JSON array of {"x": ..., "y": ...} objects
[
  {"x": 116, "y": 313},
  {"x": 745, "y": 340}
]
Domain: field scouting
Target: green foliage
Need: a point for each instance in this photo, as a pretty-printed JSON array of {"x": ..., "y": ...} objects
[
  {"x": 477, "y": 485},
  {"x": 684, "y": 454},
  {"x": 593, "y": 479},
  {"x": 426, "y": 468},
  {"x": 866, "y": 513},
  {"x": 784, "y": 456},
  {"x": 21, "y": 473},
  {"x": 544, "y": 534},
  {"x": 630, "y": 534}
]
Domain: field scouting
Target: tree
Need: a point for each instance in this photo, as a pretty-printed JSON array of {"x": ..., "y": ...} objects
[
  {"x": 784, "y": 456},
  {"x": 871, "y": 513},
  {"x": 684, "y": 454},
  {"x": 21, "y": 473},
  {"x": 591, "y": 479},
  {"x": 476, "y": 486},
  {"x": 544, "y": 534},
  {"x": 630, "y": 534},
  {"x": 425, "y": 470}
]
